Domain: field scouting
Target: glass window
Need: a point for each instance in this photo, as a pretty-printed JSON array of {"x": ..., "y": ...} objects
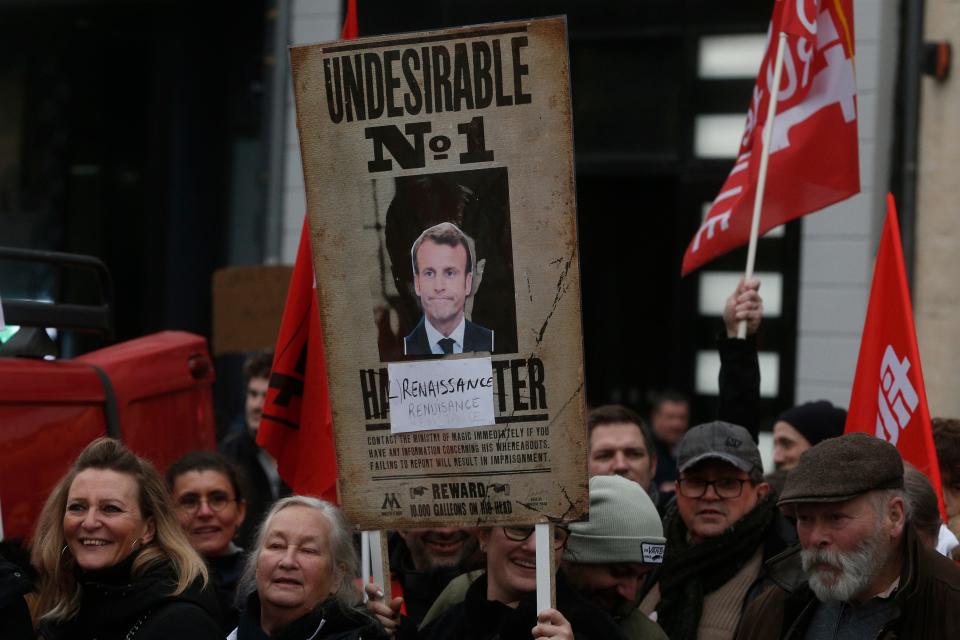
[{"x": 730, "y": 56}]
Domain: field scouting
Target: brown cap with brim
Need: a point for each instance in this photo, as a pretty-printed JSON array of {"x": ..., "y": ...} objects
[{"x": 840, "y": 469}]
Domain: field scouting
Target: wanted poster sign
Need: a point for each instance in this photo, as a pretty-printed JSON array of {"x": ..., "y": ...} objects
[{"x": 440, "y": 188}]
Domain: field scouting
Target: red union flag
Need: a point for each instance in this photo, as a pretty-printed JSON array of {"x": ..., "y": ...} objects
[
  {"x": 888, "y": 398},
  {"x": 297, "y": 426},
  {"x": 813, "y": 154}
]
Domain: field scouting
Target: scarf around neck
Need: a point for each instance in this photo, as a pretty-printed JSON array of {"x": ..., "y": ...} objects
[{"x": 691, "y": 571}]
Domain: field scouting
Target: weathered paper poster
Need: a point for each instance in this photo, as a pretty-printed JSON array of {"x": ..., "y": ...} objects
[{"x": 440, "y": 188}]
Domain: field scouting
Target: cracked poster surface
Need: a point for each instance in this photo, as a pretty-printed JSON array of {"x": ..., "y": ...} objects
[{"x": 439, "y": 182}]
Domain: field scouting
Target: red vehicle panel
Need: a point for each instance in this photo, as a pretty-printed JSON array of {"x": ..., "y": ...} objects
[
  {"x": 163, "y": 387},
  {"x": 159, "y": 386}
]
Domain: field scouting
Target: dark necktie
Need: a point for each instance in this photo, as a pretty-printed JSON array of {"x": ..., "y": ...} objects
[{"x": 446, "y": 344}]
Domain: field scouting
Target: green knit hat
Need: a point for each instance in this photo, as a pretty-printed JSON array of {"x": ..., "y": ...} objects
[{"x": 624, "y": 526}]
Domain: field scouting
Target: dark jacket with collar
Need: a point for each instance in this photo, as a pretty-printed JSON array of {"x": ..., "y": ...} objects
[
  {"x": 258, "y": 493},
  {"x": 738, "y": 403},
  {"x": 116, "y": 606},
  {"x": 477, "y": 618},
  {"x": 225, "y": 573},
  {"x": 330, "y": 621},
  {"x": 927, "y": 599},
  {"x": 475, "y": 338}
]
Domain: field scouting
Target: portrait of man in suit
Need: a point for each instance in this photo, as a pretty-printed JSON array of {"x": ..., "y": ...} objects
[{"x": 443, "y": 264}]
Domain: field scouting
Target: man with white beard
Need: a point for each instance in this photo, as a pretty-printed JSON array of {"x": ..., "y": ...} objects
[{"x": 860, "y": 570}]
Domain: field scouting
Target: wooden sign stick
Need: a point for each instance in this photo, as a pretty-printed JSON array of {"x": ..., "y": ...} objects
[
  {"x": 546, "y": 568},
  {"x": 762, "y": 176}
]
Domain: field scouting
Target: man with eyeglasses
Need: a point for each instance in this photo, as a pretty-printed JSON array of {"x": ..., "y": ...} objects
[{"x": 722, "y": 527}]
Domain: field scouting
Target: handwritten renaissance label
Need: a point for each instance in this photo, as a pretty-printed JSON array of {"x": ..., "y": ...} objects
[{"x": 440, "y": 394}]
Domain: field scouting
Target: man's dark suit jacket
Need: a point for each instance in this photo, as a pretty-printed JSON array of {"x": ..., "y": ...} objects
[{"x": 475, "y": 338}]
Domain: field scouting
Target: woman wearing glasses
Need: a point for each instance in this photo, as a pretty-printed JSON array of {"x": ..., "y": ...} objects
[
  {"x": 209, "y": 504},
  {"x": 502, "y": 602}
]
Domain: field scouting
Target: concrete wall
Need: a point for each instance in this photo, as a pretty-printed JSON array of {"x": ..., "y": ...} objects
[
  {"x": 839, "y": 243},
  {"x": 936, "y": 291},
  {"x": 310, "y": 21}
]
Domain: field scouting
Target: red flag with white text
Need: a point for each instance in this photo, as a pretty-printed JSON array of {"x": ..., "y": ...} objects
[
  {"x": 297, "y": 427},
  {"x": 888, "y": 399},
  {"x": 814, "y": 160}
]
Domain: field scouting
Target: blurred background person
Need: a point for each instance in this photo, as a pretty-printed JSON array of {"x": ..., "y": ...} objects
[
  {"x": 300, "y": 579},
  {"x": 209, "y": 503},
  {"x": 923, "y": 512},
  {"x": 946, "y": 438},
  {"x": 258, "y": 467},
  {"x": 669, "y": 421},
  {"x": 424, "y": 561},
  {"x": 803, "y": 426},
  {"x": 256, "y": 380},
  {"x": 112, "y": 559},
  {"x": 620, "y": 444}
]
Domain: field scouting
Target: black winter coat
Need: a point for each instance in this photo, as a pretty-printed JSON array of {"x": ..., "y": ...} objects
[
  {"x": 330, "y": 621},
  {"x": 225, "y": 572},
  {"x": 477, "y": 618},
  {"x": 15, "y": 623},
  {"x": 244, "y": 451},
  {"x": 115, "y": 606}
]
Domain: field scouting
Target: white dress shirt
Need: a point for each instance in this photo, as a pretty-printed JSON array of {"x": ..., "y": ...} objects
[{"x": 434, "y": 336}]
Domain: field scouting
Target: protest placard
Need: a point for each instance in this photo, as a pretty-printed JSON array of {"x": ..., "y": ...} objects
[{"x": 439, "y": 180}]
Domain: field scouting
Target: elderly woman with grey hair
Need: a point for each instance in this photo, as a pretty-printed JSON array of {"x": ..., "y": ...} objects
[{"x": 300, "y": 579}]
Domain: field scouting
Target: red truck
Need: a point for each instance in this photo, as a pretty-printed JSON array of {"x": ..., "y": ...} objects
[{"x": 154, "y": 393}]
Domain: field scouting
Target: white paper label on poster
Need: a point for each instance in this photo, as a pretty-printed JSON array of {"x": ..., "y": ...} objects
[{"x": 440, "y": 394}]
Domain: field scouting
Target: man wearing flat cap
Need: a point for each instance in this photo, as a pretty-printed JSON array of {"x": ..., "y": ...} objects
[
  {"x": 721, "y": 528},
  {"x": 860, "y": 570}
]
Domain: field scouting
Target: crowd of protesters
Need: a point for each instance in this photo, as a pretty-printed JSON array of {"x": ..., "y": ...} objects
[{"x": 688, "y": 536}]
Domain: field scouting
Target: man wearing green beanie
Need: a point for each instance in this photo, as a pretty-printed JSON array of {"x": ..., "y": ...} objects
[{"x": 609, "y": 555}]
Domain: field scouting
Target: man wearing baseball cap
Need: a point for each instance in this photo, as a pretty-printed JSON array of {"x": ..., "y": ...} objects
[
  {"x": 860, "y": 570},
  {"x": 722, "y": 527}
]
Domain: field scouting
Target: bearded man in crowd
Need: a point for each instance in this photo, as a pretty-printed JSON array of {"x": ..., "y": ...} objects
[{"x": 860, "y": 570}]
